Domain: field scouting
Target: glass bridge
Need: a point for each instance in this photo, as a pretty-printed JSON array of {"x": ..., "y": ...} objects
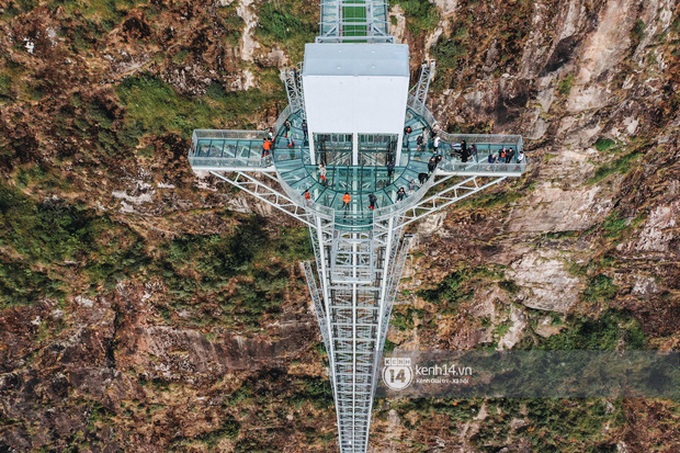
[
  {"x": 360, "y": 253},
  {"x": 234, "y": 150}
]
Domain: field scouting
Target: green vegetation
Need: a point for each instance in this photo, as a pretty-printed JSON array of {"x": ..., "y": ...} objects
[
  {"x": 638, "y": 32},
  {"x": 152, "y": 106},
  {"x": 95, "y": 119},
  {"x": 229, "y": 429},
  {"x": 103, "y": 10},
  {"x": 231, "y": 23},
  {"x": 564, "y": 85},
  {"x": 548, "y": 425},
  {"x": 456, "y": 410},
  {"x": 402, "y": 317},
  {"x": 289, "y": 26},
  {"x": 45, "y": 237},
  {"x": 16, "y": 7},
  {"x": 421, "y": 16},
  {"x": 241, "y": 271},
  {"x": 297, "y": 392},
  {"x": 563, "y": 422},
  {"x": 92, "y": 19},
  {"x": 5, "y": 87},
  {"x": 502, "y": 328},
  {"x": 449, "y": 290},
  {"x": 478, "y": 37},
  {"x": 21, "y": 285},
  {"x": 14, "y": 83},
  {"x": 553, "y": 425},
  {"x": 610, "y": 331},
  {"x": 604, "y": 144},
  {"x": 452, "y": 53},
  {"x": 459, "y": 286},
  {"x": 614, "y": 225},
  {"x": 622, "y": 165},
  {"x": 447, "y": 51},
  {"x": 245, "y": 272},
  {"x": 600, "y": 289},
  {"x": 509, "y": 286},
  {"x": 43, "y": 233},
  {"x": 389, "y": 345},
  {"x": 315, "y": 389},
  {"x": 456, "y": 287},
  {"x": 499, "y": 198}
]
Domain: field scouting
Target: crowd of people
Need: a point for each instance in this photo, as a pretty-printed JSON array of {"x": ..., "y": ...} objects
[
  {"x": 505, "y": 156},
  {"x": 427, "y": 139}
]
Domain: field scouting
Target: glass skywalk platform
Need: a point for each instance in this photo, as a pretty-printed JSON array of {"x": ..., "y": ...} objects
[
  {"x": 242, "y": 151},
  {"x": 234, "y": 150}
]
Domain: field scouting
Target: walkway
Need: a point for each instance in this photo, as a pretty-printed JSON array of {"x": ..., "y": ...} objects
[{"x": 241, "y": 151}]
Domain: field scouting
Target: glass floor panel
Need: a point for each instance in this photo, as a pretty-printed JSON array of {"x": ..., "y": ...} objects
[{"x": 293, "y": 166}]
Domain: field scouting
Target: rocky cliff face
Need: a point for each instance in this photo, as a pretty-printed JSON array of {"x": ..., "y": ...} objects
[
  {"x": 592, "y": 86},
  {"x": 140, "y": 314}
]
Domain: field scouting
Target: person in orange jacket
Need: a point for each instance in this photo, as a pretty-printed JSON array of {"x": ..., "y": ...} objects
[
  {"x": 266, "y": 147},
  {"x": 346, "y": 200}
]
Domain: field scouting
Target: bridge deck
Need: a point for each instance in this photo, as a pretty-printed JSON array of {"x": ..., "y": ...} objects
[
  {"x": 242, "y": 151},
  {"x": 353, "y": 20}
]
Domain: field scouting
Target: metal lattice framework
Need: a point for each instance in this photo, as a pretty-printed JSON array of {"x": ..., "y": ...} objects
[
  {"x": 354, "y": 269},
  {"x": 354, "y": 20},
  {"x": 354, "y": 280},
  {"x": 359, "y": 260},
  {"x": 418, "y": 94},
  {"x": 292, "y": 79}
]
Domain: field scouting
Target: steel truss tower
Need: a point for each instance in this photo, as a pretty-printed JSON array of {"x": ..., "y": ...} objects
[{"x": 360, "y": 251}]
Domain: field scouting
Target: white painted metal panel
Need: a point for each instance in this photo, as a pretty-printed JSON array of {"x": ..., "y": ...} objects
[
  {"x": 356, "y": 60},
  {"x": 364, "y": 104},
  {"x": 356, "y": 88}
]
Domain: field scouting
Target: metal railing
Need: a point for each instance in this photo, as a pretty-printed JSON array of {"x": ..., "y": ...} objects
[
  {"x": 317, "y": 299},
  {"x": 229, "y": 163},
  {"x": 393, "y": 285},
  {"x": 481, "y": 167},
  {"x": 357, "y": 39},
  {"x": 227, "y": 134},
  {"x": 335, "y": 27},
  {"x": 418, "y": 94}
]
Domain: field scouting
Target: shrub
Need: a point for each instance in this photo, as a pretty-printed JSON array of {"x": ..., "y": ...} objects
[
  {"x": 621, "y": 165},
  {"x": 564, "y": 85},
  {"x": 603, "y": 144},
  {"x": 600, "y": 289},
  {"x": 610, "y": 330},
  {"x": 421, "y": 16}
]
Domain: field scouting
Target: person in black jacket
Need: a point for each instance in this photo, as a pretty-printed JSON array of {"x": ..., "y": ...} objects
[
  {"x": 390, "y": 170},
  {"x": 371, "y": 201},
  {"x": 431, "y": 165}
]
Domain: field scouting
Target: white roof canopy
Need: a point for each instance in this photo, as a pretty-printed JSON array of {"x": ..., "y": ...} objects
[{"x": 355, "y": 87}]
